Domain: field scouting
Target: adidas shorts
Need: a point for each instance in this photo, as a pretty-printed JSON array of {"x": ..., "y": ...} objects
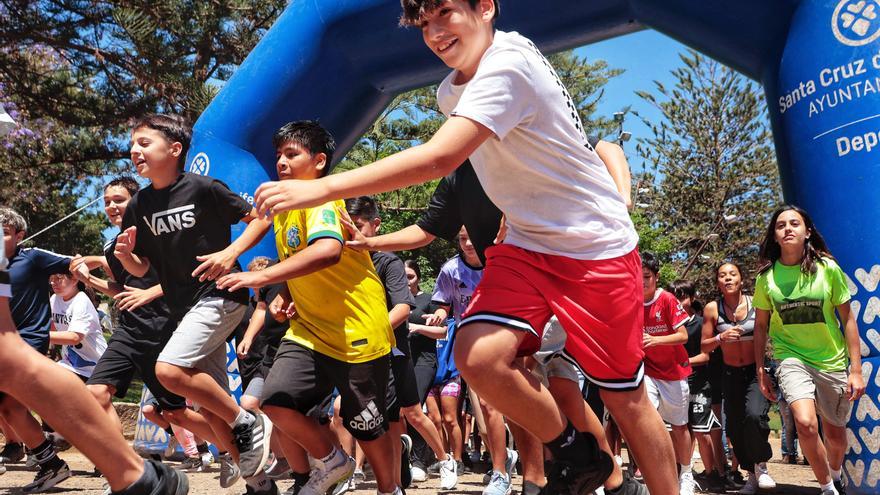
[{"x": 301, "y": 379}]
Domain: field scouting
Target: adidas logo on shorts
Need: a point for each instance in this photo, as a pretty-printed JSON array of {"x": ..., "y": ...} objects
[{"x": 368, "y": 419}]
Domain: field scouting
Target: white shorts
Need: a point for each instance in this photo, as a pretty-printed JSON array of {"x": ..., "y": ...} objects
[{"x": 671, "y": 398}]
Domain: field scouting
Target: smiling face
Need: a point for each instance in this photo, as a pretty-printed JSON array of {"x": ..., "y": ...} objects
[
  {"x": 116, "y": 199},
  {"x": 790, "y": 230},
  {"x": 294, "y": 161},
  {"x": 153, "y": 156},
  {"x": 459, "y": 34},
  {"x": 729, "y": 279}
]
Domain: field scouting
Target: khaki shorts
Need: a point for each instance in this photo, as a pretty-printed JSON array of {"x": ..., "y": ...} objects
[{"x": 800, "y": 381}]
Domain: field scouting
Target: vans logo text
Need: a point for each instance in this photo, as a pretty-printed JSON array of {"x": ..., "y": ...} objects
[{"x": 173, "y": 220}]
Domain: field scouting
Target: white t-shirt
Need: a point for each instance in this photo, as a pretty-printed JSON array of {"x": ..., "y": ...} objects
[
  {"x": 539, "y": 169},
  {"x": 79, "y": 315}
]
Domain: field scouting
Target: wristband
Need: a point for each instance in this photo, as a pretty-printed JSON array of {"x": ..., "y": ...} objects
[{"x": 718, "y": 338}]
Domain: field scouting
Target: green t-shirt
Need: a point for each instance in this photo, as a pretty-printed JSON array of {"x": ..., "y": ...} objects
[{"x": 803, "y": 324}]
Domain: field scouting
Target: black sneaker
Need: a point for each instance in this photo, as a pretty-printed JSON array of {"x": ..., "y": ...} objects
[
  {"x": 192, "y": 464},
  {"x": 840, "y": 487},
  {"x": 459, "y": 468},
  {"x": 270, "y": 489},
  {"x": 715, "y": 482},
  {"x": 50, "y": 474},
  {"x": 405, "y": 467},
  {"x": 11, "y": 453},
  {"x": 583, "y": 468},
  {"x": 253, "y": 444},
  {"x": 628, "y": 487}
]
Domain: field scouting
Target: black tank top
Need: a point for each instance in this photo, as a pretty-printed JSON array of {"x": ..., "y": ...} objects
[{"x": 747, "y": 324}]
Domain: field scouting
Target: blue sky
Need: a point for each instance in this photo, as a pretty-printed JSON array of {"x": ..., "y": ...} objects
[{"x": 645, "y": 56}]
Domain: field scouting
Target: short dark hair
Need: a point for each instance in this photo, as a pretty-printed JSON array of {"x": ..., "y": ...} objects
[
  {"x": 650, "y": 262},
  {"x": 683, "y": 288},
  {"x": 414, "y": 266},
  {"x": 413, "y": 10},
  {"x": 363, "y": 207},
  {"x": 126, "y": 182},
  {"x": 174, "y": 128},
  {"x": 310, "y": 135}
]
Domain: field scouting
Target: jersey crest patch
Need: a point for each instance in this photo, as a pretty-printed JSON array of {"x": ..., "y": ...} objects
[
  {"x": 293, "y": 237},
  {"x": 328, "y": 217}
]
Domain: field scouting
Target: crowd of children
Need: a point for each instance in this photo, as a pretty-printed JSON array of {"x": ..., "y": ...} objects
[{"x": 548, "y": 322}]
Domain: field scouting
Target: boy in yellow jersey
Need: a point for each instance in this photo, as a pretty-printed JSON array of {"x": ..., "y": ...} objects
[{"x": 340, "y": 335}]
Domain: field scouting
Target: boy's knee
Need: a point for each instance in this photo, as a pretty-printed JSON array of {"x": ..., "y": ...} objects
[
  {"x": 482, "y": 349},
  {"x": 101, "y": 393},
  {"x": 169, "y": 375},
  {"x": 250, "y": 402}
]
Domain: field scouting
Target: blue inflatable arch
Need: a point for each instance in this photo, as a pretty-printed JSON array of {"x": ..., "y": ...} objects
[{"x": 342, "y": 61}]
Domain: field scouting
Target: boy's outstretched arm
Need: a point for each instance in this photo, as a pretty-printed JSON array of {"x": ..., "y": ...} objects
[
  {"x": 318, "y": 255},
  {"x": 455, "y": 141},
  {"x": 217, "y": 264},
  {"x": 614, "y": 159}
]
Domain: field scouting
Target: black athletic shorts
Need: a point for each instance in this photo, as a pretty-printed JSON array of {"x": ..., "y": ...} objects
[
  {"x": 701, "y": 418},
  {"x": 716, "y": 376},
  {"x": 405, "y": 386},
  {"x": 123, "y": 358},
  {"x": 301, "y": 379},
  {"x": 425, "y": 370}
]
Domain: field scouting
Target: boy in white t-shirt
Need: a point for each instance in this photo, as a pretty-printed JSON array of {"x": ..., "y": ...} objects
[
  {"x": 76, "y": 326},
  {"x": 570, "y": 249}
]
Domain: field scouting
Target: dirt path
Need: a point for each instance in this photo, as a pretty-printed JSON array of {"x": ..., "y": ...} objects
[{"x": 791, "y": 480}]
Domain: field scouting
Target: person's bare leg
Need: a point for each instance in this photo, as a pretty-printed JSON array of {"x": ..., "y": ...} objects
[
  {"x": 199, "y": 387},
  {"x": 449, "y": 415},
  {"x": 383, "y": 464},
  {"x": 804, "y": 413},
  {"x": 835, "y": 444},
  {"x": 104, "y": 393},
  {"x": 485, "y": 355},
  {"x": 683, "y": 445},
  {"x": 197, "y": 423},
  {"x": 646, "y": 437},
  {"x": 568, "y": 395},
  {"x": 19, "y": 417},
  {"x": 707, "y": 452},
  {"x": 426, "y": 429},
  {"x": 32, "y": 378},
  {"x": 531, "y": 454},
  {"x": 296, "y": 455},
  {"x": 496, "y": 433},
  {"x": 305, "y": 430}
]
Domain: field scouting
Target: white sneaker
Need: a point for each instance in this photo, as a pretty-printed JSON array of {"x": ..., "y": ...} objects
[
  {"x": 765, "y": 482},
  {"x": 348, "y": 485},
  {"x": 686, "y": 484},
  {"x": 448, "y": 475},
  {"x": 751, "y": 486},
  {"x": 324, "y": 477},
  {"x": 418, "y": 474},
  {"x": 171, "y": 448}
]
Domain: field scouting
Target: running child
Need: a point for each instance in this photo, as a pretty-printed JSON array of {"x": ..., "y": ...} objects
[
  {"x": 180, "y": 225},
  {"x": 75, "y": 326},
  {"x": 570, "y": 248},
  {"x": 340, "y": 335}
]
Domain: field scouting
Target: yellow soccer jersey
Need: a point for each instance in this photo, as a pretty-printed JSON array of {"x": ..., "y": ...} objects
[{"x": 340, "y": 310}]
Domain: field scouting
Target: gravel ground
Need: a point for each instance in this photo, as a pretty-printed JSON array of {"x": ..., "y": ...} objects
[{"x": 790, "y": 479}]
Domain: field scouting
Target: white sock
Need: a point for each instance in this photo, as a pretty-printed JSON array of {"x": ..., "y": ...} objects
[
  {"x": 334, "y": 455},
  {"x": 686, "y": 469},
  {"x": 258, "y": 481},
  {"x": 828, "y": 486},
  {"x": 243, "y": 418},
  {"x": 836, "y": 474}
]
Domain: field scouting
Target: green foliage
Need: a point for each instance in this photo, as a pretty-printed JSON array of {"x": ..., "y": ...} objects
[
  {"x": 74, "y": 74},
  {"x": 713, "y": 179}
]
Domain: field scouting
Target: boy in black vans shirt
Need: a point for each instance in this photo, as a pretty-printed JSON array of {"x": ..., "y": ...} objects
[{"x": 180, "y": 225}]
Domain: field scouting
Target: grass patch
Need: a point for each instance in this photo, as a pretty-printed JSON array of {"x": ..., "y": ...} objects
[{"x": 134, "y": 392}]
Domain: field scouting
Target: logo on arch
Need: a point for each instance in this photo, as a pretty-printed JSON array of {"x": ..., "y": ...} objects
[
  {"x": 856, "y": 22},
  {"x": 200, "y": 164}
]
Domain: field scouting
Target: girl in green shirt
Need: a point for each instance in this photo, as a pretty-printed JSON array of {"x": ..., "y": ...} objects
[{"x": 796, "y": 295}]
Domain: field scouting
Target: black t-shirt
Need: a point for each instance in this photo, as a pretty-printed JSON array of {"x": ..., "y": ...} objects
[
  {"x": 150, "y": 322},
  {"x": 189, "y": 218},
  {"x": 458, "y": 200},
  {"x": 270, "y": 338},
  {"x": 421, "y": 346},
  {"x": 694, "y": 327},
  {"x": 393, "y": 276}
]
